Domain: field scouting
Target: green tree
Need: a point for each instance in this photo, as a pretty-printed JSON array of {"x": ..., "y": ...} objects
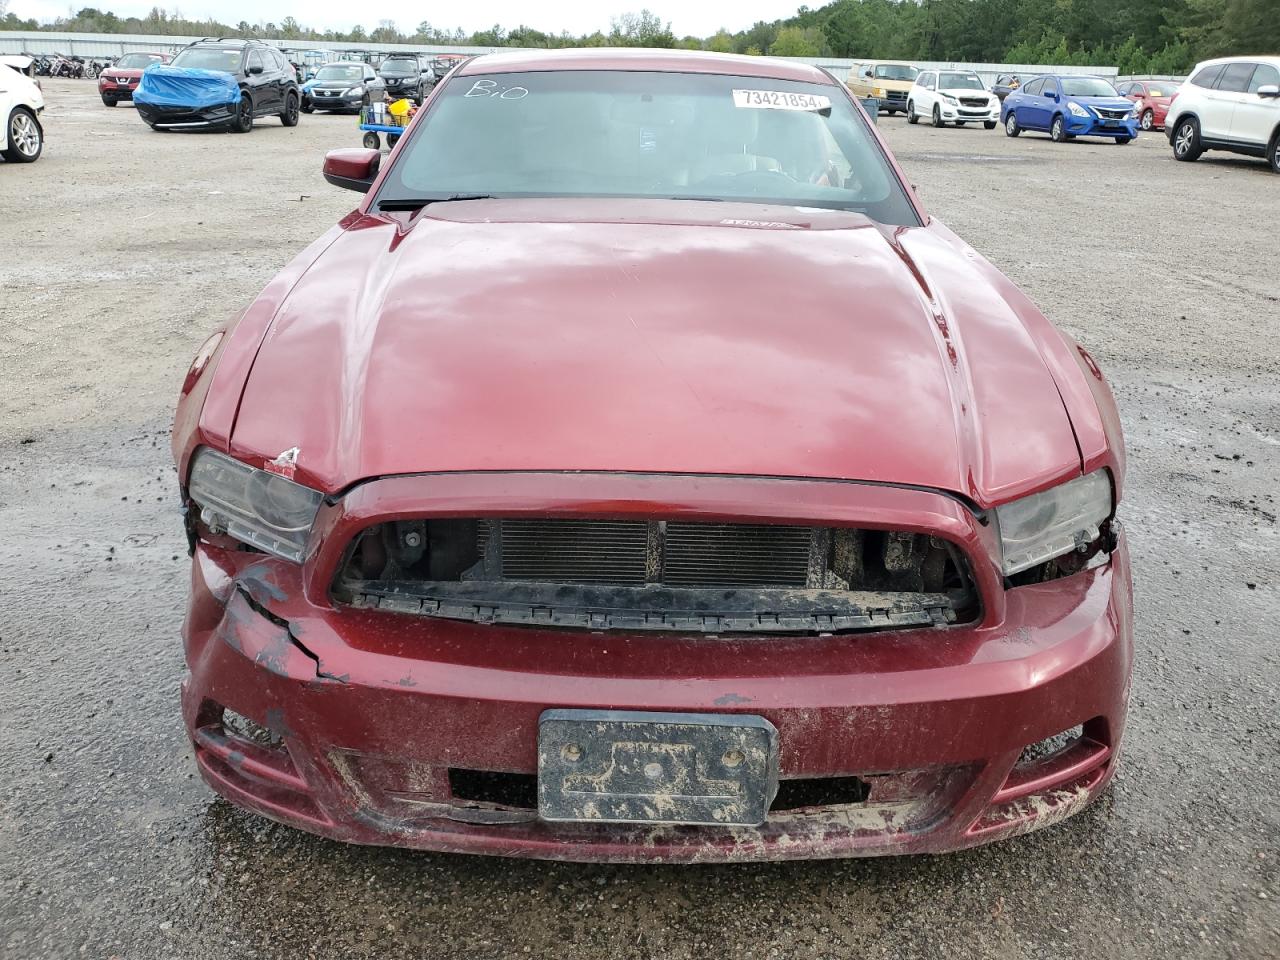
[
  {"x": 795, "y": 42},
  {"x": 643, "y": 29}
]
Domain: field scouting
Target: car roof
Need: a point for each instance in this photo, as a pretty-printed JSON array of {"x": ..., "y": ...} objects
[
  {"x": 660, "y": 61},
  {"x": 1271, "y": 59}
]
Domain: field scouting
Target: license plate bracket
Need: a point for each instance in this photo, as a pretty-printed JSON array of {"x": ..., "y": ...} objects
[{"x": 610, "y": 766}]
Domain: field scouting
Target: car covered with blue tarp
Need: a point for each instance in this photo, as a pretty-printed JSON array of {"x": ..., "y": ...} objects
[{"x": 219, "y": 83}]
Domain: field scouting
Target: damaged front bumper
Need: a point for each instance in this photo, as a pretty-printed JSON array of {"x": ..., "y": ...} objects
[
  {"x": 372, "y": 726},
  {"x": 168, "y": 117}
]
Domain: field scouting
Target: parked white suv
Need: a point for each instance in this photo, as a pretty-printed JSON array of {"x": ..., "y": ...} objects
[
  {"x": 1232, "y": 103},
  {"x": 952, "y": 96},
  {"x": 21, "y": 137}
]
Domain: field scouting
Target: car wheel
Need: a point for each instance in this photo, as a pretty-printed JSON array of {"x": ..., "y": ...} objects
[
  {"x": 26, "y": 139},
  {"x": 1273, "y": 153},
  {"x": 244, "y": 116},
  {"x": 937, "y": 116},
  {"x": 371, "y": 141},
  {"x": 911, "y": 112},
  {"x": 961, "y": 123},
  {"x": 1148, "y": 119},
  {"x": 290, "y": 116},
  {"x": 1011, "y": 128},
  {"x": 989, "y": 124},
  {"x": 392, "y": 139},
  {"x": 307, "y": 107},
  {"x": 1058, "y": 132},
  {"x": 1123, "y": 140},
  {"x": 1186, "y": 140},
  {"x": 109, "y": 101},
  {"x": 418, "y": 97}
]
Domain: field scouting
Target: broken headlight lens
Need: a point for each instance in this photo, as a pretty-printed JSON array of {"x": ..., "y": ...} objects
[
  {"x": 256, "y": 507},
  {"x": 1056, "y": 521}
]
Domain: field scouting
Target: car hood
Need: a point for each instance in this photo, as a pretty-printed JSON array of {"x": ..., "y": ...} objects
[{"x": 654, "y": 336}]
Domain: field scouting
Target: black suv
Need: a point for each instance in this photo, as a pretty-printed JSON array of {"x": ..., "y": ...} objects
[
  {"x": 402, "y": 73},
  {"x": 256, "y": 81}
]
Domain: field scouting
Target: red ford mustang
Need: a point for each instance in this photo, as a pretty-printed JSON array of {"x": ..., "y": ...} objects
[{"x": 640, "y": 473}]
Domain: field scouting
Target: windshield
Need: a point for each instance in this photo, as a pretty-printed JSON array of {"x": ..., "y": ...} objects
[
  {"x": 137, "y": 61},
  {"x": 587, "y": 133},
  {"x": 224, "y": 59},
  {"x": 1086, "y": 87},
  {"x": 399, "y": 68},
  {"x": 342, "y": 74},
  {"x": 959, "y": 81},
  {"x": 895, "y": 71}
]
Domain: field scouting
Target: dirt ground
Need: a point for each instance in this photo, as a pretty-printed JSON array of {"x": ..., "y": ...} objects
[{"x": 124, "y": 247}]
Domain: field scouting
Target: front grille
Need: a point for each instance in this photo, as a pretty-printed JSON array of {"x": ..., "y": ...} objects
[
  {"x": 658, "y": 574},
  {"x": 896, "y": 96},
  {"x": 974, "y": 102},
  {"x": 1108, "y": 114}
]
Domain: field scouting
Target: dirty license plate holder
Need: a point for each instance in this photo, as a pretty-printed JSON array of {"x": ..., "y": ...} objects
[{"x": 611, "y": 766}]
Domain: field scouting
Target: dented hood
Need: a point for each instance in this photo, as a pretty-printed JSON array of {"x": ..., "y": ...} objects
[{"x": 685, "y": 337}]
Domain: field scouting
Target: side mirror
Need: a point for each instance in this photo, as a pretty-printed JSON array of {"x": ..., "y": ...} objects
[
  {"x": 1269, "y": 90},
  {"x": 255, "y": 70},
  {"x": 353, "y": 168}
]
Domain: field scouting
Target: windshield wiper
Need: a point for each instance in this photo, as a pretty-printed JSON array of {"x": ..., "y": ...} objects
[{"x": 417, "y": 203}]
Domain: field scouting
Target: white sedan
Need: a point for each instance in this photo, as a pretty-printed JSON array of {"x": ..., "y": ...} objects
[
  {"x": 957, "y": 97},
  {"x": 21, "y": 136}
]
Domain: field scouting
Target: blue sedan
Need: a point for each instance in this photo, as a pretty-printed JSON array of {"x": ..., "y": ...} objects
[{"x": 1070, "y": 106}]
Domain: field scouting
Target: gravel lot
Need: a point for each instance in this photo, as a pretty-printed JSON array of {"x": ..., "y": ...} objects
[{"x": 125, "y": 247}]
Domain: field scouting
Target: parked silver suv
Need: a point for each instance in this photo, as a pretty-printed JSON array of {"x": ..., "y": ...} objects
[{"x": 1232, "y": 103}]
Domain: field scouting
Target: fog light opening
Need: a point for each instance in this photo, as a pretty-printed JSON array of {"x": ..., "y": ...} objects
[
  {"x": 1041, "y": 750},
  {"x": 239, "y": 726}
]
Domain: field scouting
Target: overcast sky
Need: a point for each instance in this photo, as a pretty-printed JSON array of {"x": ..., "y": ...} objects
[{"x": 699, "y": 18}]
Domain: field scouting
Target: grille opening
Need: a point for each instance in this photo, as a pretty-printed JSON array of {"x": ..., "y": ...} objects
[
  {"x": 518, "y": 791},
  {"x": 819, "y": 792},
  {"x": 659, "y": 574}
]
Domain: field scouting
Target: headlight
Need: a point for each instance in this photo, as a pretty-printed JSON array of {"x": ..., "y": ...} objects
[
  {"x": 878, "y": 92},
  {"x": 1048, "y": 524},
  {"x": 354, "y": 92},
  {"x": 1076, "y": 109},
  {"x": 950, "y": 99},
  {"x": 259, "y": 508}
]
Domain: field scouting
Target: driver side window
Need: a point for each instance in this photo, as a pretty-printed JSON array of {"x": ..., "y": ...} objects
[
  {"x": 1033, "y": 88},
  {"x": 255, "y": 60}
]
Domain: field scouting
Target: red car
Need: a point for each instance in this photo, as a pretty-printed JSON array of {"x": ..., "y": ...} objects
[
  {"x": 641, "y": 473},
  {"x": 118, "y": 81},
  {"x": 1153, "y": 98}
]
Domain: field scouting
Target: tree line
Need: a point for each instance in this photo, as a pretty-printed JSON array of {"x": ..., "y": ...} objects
[{"x": 1138, "y": 36}]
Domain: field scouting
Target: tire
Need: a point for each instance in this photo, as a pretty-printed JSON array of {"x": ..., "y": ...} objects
[
  {"x": 109, "y": 101},
  {"x": 1011, "y": 128},
  {"x": 911, "y": 112},
  {"x": 1058, "y": 130},
  {"x": 419, "y": 97},
  {"x": 937, "y": 116},
  {"x": 989, "y": 124},
  {"x": 243, "y": 122},
  {"x": 1273, "y": 152},
  {"x": 26, "y": 139},
  {"x": 290, "y": 115},
  {"x": 1123, "y": 140},
  {"x": 1148, "y": 119},
  {"x": 392, "y": 140},
  {"x": 371, "y": 141},
  {"x": 308, "y": 108},
  {"x": 1186, "y": 140},
  {"x": 961, "y": 123}
]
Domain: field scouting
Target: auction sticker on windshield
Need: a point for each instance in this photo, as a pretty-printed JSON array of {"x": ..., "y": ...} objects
[{"x": 780, "y": 100}]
